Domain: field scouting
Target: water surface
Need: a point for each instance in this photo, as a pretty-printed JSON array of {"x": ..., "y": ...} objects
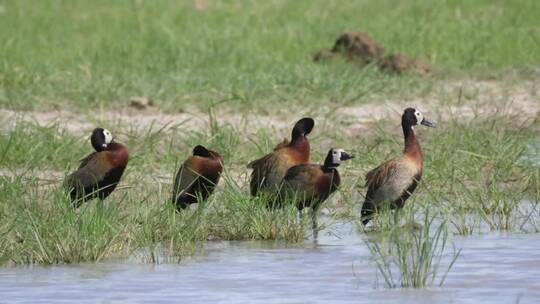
[{"x": 493, "y": 268}]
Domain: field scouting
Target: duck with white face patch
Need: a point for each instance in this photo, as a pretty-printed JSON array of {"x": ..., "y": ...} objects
[
  {"x": 100, "y": 139},
  {"x": 100, "y": 172},
  {"x": 310, "y": 184},
  {"x": 395, "y": 180}
]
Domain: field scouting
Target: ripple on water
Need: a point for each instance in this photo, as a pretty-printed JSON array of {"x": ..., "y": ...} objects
[{"x": 493, "y": 268}]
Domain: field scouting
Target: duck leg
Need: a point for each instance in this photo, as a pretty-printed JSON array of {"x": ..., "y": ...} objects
[
  {"x": 367, "y": 212},
  {"x": 300, "y": 216}
]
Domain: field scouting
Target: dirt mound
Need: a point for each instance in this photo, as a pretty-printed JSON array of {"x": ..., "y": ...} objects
[
  {"x": 399, "y": 63},
  {"x": 357, "y": 47},
  {"x": 141, "y": 102},
  {"x": 361, "y": 49}
]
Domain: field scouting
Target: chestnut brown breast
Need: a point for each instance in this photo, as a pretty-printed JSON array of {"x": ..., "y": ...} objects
[
  {"x": 196, "y": 178},
  {"x": 310, "y": 184},
  {"x": 98, "y": 174}
]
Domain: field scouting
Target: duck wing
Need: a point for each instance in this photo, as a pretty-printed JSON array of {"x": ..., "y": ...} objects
[
  {"x": 185, "y": 178},
  {"x": 301, "y": 182},
  {"x": 86, "y": 160},
  {"x": 85, "y": 180},
  {"x": 391, "y": 182},
  {"x": 258, "y": 162},
  {"x": 380, "y": 175},
  {"x": 263, "y": 172}
]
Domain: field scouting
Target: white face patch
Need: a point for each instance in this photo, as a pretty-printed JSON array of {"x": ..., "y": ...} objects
[
  {"x": 419, "y": 117},
  {"x": 336, "y": 156},
  {"x": 108, "y": 137}
]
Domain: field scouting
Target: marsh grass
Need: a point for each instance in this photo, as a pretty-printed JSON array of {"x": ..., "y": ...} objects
[
  {"x": 48, "y": 233},
  {"x": 41, "y": 226},
  {"x": 476, "y": 178},
  {"x": 477, "y": 172},
  {"x": 253, "y": 219},
  {"x": 164, "y": 235},
  {"x": 530, "y": 215},
  {"x": 474, "y": 172},
  {"x": 407, "y": 257},
  {"x": 54, "y": 147},
  {"x": 92, "y": 55}
]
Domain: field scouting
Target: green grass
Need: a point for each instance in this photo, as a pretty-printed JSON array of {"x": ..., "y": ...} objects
[
  {"x": 53, "y": 149},
  {"x": 477, "y": 174},
  {"x": 40, "y": 226},
  {"x": 253, "y": 58},
  {"x": 415, "y": 254},
  {"x": 88, "y": 55}
]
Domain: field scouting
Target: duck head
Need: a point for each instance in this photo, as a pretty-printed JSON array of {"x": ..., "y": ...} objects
[
  {"x": 201, "y": 151},
  {"x": 335, "y": 157},
  {"x": 412, "y": 117},
  {"x": 101, "y": 138},
  {"x": 302, "y": 128}
]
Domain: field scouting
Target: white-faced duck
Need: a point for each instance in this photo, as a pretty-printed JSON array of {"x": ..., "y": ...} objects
[
  {"x": 268, "y": 171},
  {"x": 395, "y": 180},
  {"x": 99, "y": 173},
  {"x": 197, "y": 177},
  {"x": 311, "y": 184}
]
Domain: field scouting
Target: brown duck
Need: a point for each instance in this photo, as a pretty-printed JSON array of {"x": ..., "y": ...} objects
[
  {"x": 100, "y": 172},
  {"x": 310, "y": 185},
  {"x": 395, "y": 180},
  {"x": 268, "y": 171},
  {"x": 197, "y": 177}
]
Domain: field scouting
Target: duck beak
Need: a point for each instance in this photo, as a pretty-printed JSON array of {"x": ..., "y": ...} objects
[
  {"x": 428, "y": 123},
  {"x": 345, "y": 156}
]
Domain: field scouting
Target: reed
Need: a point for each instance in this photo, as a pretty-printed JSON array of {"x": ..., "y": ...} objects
[{"x": 406, "y": 258}]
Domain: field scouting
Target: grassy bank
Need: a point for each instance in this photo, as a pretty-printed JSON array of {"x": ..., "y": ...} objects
[
  {"x": 478, "y": 176},
  {"x": 236, "y": 63},
  {"x": 88, "y": 56}
]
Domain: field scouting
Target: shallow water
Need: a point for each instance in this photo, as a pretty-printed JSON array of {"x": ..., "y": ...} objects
[
  {"x": 337, "y": 269},
  {"x": 531, "y": 156}
]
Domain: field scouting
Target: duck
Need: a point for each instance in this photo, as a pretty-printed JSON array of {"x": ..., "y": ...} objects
[
  {"x": 311, "y": 184},
  {"x": 197, "y": 177},
  {"x": 395, "y": 180},
  {"x": 100, "y": 172},
  {"x": 269, "y": 170}
]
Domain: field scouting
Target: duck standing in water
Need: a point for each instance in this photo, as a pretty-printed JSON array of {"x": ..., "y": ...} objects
[
  {"x": 268, "y": 171},
  {"x": 197, "y": 177},
  {"x": 395, "y": 180},
  {"x": 100, "y": 172},
  {"x": 310, "y": 185}
]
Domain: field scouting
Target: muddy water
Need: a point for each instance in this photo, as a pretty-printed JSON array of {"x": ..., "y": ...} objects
[{"x": 336, "y": 269}]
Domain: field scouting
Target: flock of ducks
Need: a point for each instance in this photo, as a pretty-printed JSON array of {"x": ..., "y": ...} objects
[{"x": 284, "y": 175}]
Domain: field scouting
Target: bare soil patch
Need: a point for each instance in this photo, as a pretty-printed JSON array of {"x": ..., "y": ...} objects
[
  {"x": 80, "y": 124},
  {"x": 357, "y": 47},
  {"x": 361, "y": 49},
  {"x": 464, "y": 100}
]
